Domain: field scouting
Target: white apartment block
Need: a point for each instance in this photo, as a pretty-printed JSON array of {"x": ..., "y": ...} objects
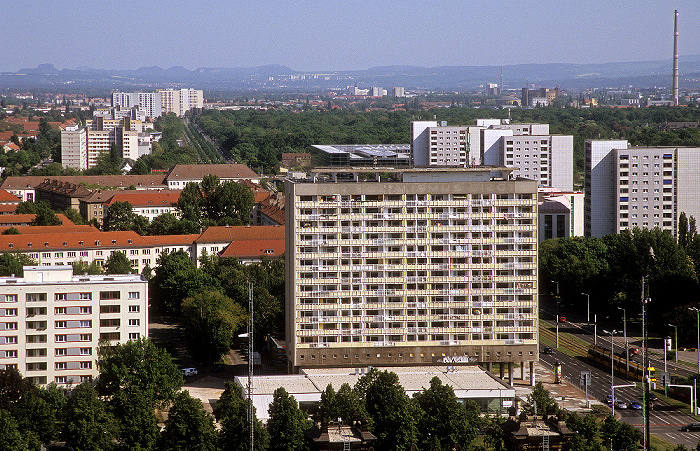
[
  {"x": 98, "y": 142},
  {"x": 74, "y": 148},
  {"x": 561, "y": 215},
  {"x": 642, "y": 187},
  {"x": 180, "y": 101},
  {"x": 548, "y": 159},
  {"x": 148, "y": 102},
  {"x": 51, "y": 321},
  {"x": 431, "y": 264}
]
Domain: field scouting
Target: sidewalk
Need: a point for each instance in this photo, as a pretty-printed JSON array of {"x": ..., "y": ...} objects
[{"x": 568, "y": 396}]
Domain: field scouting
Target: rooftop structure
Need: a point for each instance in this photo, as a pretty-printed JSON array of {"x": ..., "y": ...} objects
[{"x": 362, "y": 155}]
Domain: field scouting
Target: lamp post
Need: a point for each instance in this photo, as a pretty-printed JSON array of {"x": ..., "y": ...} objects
[
  {"x": 627, "y": 348},
  {"x": 557, "y": 300},
  {"x": 612, "y": 367},
  {"x": 698, "y": 348},
  {"x": 675, "y": 340},
  {"x": 588, "y": 307}
]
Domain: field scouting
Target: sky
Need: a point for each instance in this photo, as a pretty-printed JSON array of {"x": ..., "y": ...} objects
[{"x": 328, "y": 35}]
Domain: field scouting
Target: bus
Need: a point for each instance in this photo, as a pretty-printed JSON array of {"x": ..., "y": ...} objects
[{"x": 636, "y": 372}]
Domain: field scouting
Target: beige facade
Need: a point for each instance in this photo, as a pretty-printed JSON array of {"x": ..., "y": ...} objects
[
  {"x": 51, "y": 321},
  {"x": 430, "y": 265},
  {"x": 74, "y": 148}
]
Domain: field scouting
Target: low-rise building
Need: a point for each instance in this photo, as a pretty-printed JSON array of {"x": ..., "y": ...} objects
[
  {"x": 52, "y": 321},
  {"x": 182, "y": 174}
]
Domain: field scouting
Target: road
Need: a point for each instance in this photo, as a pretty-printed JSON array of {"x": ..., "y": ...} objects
[{"x": 665, "y": 421}]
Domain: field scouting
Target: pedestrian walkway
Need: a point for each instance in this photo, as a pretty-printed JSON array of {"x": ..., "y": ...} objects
[{"x": 568, "y": 396}]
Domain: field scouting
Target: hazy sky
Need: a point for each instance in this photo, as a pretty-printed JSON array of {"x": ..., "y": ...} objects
[{"x": 316, "y": 35}]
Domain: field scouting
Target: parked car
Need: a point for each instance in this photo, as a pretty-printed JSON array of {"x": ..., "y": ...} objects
[
  {"x": 635, "y": 405},
  {"x": 547, "y": 350},
  {"x": 691, "y": 427},
  {"x": 189, "y": 371},
  {"x": 621, "y": 404}
]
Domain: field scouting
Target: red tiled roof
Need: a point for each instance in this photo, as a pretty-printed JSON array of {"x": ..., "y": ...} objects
[
  {"x": 170, "y": 240},
  {"x": 8, "y": 198},
  {"x": 85, "y": 240},
  {"x": 240, "y": 233},
  {"x": 39, "y": 230},
  {"x": 8, "y": 208},
  {"x": 17, "y": 219},
  {"x": 275, "y": 213},
  {"x": 124, "y": 181},
  {"x": 145, "y": 198},
  {"x": 254, "y": 249},
  {"x": 223, "y": 171}
]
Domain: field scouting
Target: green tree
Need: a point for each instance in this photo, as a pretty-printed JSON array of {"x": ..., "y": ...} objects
[
  {"x": 11, "y": 263},
  {"x": 587, "y": 430},
  {"x": 37, "y": 417},
  {"x": 74, "y": 216},
  {"x": 190, "y": 204},
  {"x": 391, "y": 411},
  {"x": 164, "y": 224},
  {"x": 287, "y": 423},
  {"x": 11, "y": 231},
  {"x": 442, "y": 423},
  {"x": 138, "y": 427},
  {"x": 138, "y": 366},
  {"x": 540, "y": 396},
  {"x": 45, "y": 216},
  {"x": 120, "y": 216},
  {"x": 348, "y": 404},
  {"x": 177, "y": 277},
  {"x": 12, "y": 387},
  {"x": 88, "y": 426},
  {"x": 10, "y": 437},
  {"x": 624, "y": 437},
  {"x": 329, "y": 409},
  {"x": 682, "y": 230},
  {"x": 118, "y": 263},
  {"x": 81, "y": 267},
  {"x": 211, "y": 320},
  {"x": 232, "y": 412},
  {"x": 188, "y": 427}
]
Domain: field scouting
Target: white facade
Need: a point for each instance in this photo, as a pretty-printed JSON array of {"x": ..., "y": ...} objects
[
  {"x": 51, "y": 321},
  {"x": 148, "y": 102},
  {"x": 600, "y": 186},
  {"x": 561, "y": 214},
  {"x": 180, "y": 101},
  {"x": 548, "y": 159},
  {"x": 441, "y": 263},
  {"x": 98, "y": 141},
  {"x": 74, "y": 148}
]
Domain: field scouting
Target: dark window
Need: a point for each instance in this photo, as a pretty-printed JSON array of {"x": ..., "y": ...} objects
[{"x": 547, "y": 227}]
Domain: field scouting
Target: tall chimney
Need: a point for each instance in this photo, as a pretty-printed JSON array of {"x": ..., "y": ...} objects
[{"x": 675, "y": 58}]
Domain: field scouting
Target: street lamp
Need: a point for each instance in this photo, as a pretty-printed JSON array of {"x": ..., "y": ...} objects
[
  {"x": 557, "y": 300},
  {"x": 698, "y": 348},
  {"x": 588, "y": 307},
  {"x": 627, "y": 349},
  {"x": 675, "y": 340},
  {"x": 612, "y": 367}
]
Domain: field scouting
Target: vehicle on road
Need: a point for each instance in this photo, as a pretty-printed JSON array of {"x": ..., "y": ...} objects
[
  {"x": 547, "y": 350},
  {"x": 635, "y": 405},
  {"x": 653, "y": 397},
  {"x": 621, "y": 404},
  {"x": 636, "y": 371},
  {"x": 562, "y": 319},
  {"x": 691, "y": 427},
  {"x": 609, "y": 399},
  {"x": 189, "y": 371}
]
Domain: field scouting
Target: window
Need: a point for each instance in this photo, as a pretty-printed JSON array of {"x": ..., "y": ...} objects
[
  {"x": 60, "y": 379},
  {"x": 134, "y": 322},
  {"x": 60, "y": 310},
  {"x": 106, "y": 295},
  {"x": 60, "y": 352},
  {"x": 85, "y": 365},
  {"x": 134, "y": 295},
  {"x": 36, "y": 297},
  {"x": 85, "y": 310},
  {"x": 83, "y": 253},
  {"x": 10, "y": 326},
  {"x": 85, "y": 378},
  {"x": 85, "y": 351},
  {"x": 10, "y": 312},
  {"x": 60, "y": 296},
  {"x": 61, "y": 324},
  {"x": 85, "y": 296},
  {"x": 11, "y": 340},
  {"x": 61, "y": 365},
  {"x": 85, "y": 337},
  {"x": 61, "y": 338},
  {"x": 134, "y": 309},
  {"x": 134, "y": 336},
  {"x": 87, "y": 323}
]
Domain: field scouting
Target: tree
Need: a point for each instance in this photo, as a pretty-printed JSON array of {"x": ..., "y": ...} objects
[
  {"x": 542, "y": 399},
  {"x": 138, "y": 366},
  {"x": 38, "y": 416},
  {"x": 118, "y": 263},
  {"x": 10, "y": 437},
  {"x": 120, "y": 216},
  {"x": 138, "y": 427},
  {"x": 391, "y": 411},
  {"x": 232, "y": 412},
  {"x": 189, "y": 426},
  {"x": 88, "y": 423},
  {"x": 190, "y": 204},
  {"x": 11, "y": 263},
  {"x": 45, "y": 216},
  {"x": 211, "y": 320},
  {"x": 624, "y": 437},
  {"x": 287, "y": 423},
  {"x": 12, "y": 387},
  {"x": 348, "y": 404},
  {"x": 81, "y": 267},
  {"x": 587, "y": 432},
  {"x": 74, "y": 216},
  {"x": 442, "y": 423},
  {"x": 164, "y": 224},
  {"x": 177, "y": 277},
  {"x": 11, "y": 231}
]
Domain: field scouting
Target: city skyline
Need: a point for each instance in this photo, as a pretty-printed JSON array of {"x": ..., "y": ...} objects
[{"x": 317, "y": 36}]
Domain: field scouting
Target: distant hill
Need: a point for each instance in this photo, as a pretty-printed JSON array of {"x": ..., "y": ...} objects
[{"x": 642, "y": 74}]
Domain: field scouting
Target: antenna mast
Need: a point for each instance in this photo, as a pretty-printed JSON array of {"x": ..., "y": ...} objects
[{"x": 675, "y": 58}]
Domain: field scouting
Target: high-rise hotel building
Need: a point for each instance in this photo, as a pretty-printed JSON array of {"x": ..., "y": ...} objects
[{"x": 411, "y": 266}]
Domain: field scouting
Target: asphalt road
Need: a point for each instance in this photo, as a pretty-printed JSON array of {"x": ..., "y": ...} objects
[{"x": 665, "y": 421}]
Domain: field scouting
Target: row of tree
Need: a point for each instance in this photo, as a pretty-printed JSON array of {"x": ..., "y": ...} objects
[{"x": 609, "y": 272}]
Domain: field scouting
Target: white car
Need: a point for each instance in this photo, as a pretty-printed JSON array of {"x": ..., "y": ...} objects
[{"x": 189, "y": 371}]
